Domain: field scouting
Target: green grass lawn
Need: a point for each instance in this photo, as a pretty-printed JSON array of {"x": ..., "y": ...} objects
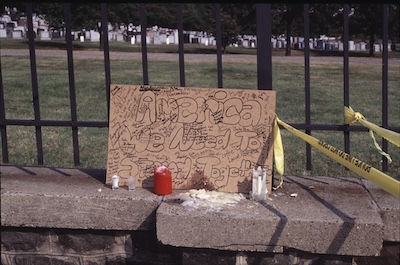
[
  {"x": 118, "y": 46},
  {"x": 288, "y": 81}
]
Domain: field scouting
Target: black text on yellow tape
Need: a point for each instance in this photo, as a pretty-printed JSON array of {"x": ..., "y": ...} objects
[{"x": 381, "y": 179}]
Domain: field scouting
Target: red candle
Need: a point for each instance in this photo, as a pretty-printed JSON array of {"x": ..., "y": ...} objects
[{"x": 162, "y": 181}]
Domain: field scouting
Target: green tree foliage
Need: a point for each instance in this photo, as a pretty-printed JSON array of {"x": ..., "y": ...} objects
[
  {"x": 244, "y": 15},
  {"x": 162, "y": 15},
  {"x": 197, "y": 16},
  {"x": 394, "y": 24},
  {"x": 292, "y": 17},
  {"x": 123, "y": 13},
  {"x": 366, "y": 22},
  {"x": 229, "y": 28},
  {"x": 53, "y": 13},
  {"x": 326, "y": 19},
  {"x": 85, "y": 16},
  {"x": 237, "y": 18}
]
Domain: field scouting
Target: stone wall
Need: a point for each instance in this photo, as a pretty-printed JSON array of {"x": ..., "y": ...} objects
[
  {"x": 69, "y": 216},
  {"x": 41, "y": 246}
]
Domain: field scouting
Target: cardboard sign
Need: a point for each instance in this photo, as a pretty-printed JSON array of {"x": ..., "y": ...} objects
[{"x": 208, "y": 138}]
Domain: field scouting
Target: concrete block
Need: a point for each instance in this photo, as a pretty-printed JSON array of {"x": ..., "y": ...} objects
[
  {"x": 55, "y": 198},
  {"x": 389, "y": 209},
  {"x": 327, "y": 216}
]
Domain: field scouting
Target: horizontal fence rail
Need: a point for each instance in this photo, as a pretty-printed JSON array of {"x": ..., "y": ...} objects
[{"x": 264, "y": 77}]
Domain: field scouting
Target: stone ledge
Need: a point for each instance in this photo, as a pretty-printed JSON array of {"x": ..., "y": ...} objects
[
  {"x": 334, "y": 216},
  {"x": 70, "y": 198},
  {"x": 389, "y": 209},
  {"x": 329, "y": 216}
]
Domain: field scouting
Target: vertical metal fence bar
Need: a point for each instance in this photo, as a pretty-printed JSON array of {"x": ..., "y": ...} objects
[
  {"x": 264, "y": 47},
  {"x": 181, "y": 49},
  {"x": 72, "y": 93},
  {"x": 218, "y": 40},
  {"x": 385, "y": 66},
  {"x": 3, "y": 128},
  {"x": 106, "y": 50},
  {"x": 35, "y": 87},
  {"x": 306, "y": 14},
  {"x": 346, "y": 89},
  {"x": 143, "y": 33}
]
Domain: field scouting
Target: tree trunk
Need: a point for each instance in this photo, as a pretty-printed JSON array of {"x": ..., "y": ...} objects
[
  {"x": 288, "y": 34},
  {"x": 371, "y": 44},
  {"x": 101, "y": 37}
]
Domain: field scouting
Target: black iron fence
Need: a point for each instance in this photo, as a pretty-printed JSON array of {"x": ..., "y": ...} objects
[{"x": 264, "y": 77}]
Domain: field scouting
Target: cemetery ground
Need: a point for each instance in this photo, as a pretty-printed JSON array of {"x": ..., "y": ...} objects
[
  {"x": 239, "y": 71},
  {"x": 119, "y": 46}
]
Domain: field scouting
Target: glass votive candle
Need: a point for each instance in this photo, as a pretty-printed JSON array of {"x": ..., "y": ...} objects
[{"x": 132, "y": 183}]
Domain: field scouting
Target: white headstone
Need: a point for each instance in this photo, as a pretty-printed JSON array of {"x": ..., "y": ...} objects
[
  {"x": 16, "y": 34},
  {"x": 351, "y": 45},
  {"x": 311, "y": 43},
  {"x": 119, "y": 37},
  {"x": 94, "y": 35},
  {"x": 273, "y": 43},
  {"x": 3, "y": 33},
  {"x": 20, "y": 28},
  {"x": 44, "y": 35},
  {"x": 156, "y": 39},
  {"x": 5, "y": 18}
]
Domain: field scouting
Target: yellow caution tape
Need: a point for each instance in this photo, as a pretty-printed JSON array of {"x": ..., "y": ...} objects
[
  {"x": 278, "y": 153},
  {"x": 381, "y": 179},
  {"x": 350, "y": 116}
]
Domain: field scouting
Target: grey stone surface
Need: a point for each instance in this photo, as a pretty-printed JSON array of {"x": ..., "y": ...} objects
[
  {"x": 389, "y": 209},
  {"x": 328, "y": 216},
  {"x": 32, "y": 260},
  {"x": 22, "y": 241},
  {"x": 71, "y": 198},
  {"x": 83, "y": 247}
]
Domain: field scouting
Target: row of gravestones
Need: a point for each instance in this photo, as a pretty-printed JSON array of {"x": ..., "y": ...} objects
[
  {"x": 10, "y": 28},
  {"x": 172, "y": 39}
]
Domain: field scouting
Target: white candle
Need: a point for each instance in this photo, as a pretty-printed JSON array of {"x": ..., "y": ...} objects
[
  {"x": 259, "y": 181},
  {"x": 115, "y": 180}
]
